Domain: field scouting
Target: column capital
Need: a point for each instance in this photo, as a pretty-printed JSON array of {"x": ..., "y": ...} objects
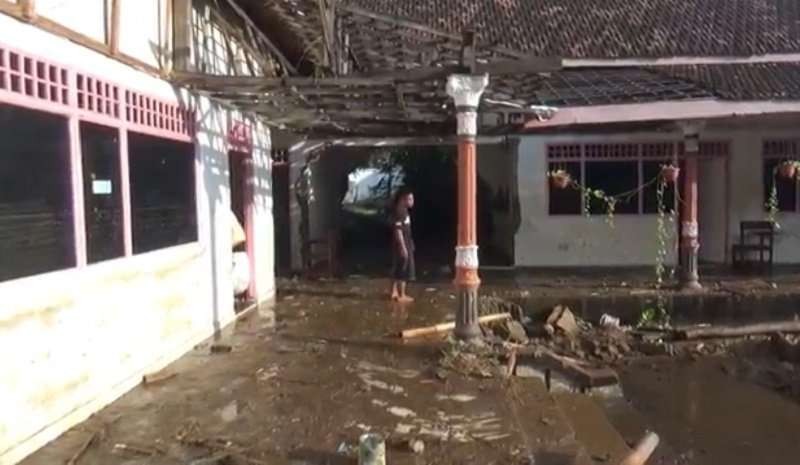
[
  {"x": 691, "y": 128},
  {"x": 466, "y": 89}
]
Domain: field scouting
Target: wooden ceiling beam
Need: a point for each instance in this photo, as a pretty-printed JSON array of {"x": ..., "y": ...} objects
[
  {"x": 182, "y": 35},
  {"x": 398, "y": 22},
  {"x": 28, "y": 8},
  {"x": 288, "y": 66}
]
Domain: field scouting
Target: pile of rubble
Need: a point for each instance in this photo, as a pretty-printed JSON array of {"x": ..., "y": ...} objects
[{"x": 560, "y": 342}]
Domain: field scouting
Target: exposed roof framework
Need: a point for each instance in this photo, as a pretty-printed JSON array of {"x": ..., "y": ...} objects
[
  {"x": 349, "y": 70},
  {"x": 387, "y": 77}
]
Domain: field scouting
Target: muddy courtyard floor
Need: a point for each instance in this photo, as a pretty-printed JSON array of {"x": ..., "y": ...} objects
[{"x": 304, "y": 380}]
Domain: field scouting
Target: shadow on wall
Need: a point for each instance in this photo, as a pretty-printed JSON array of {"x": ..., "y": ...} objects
[{"x": 213, "y": 175}]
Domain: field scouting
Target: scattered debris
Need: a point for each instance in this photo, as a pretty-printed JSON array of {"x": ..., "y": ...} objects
[
  {"x": 217, "y": 459},
  {"x": 378, "y": 384},
  {"x": 85, "y": 447},
  {"x": 416, "y": 446},
  {"x": 403, "y": 429},
  {"x": 443, "y": 327},
  {"x": 406, "y": 374},
  {"x": 609, "y": 321},
  {"x": 371, "y": 449},
  {"x": 137, "y": 450},
  {"x": 583, "y": 375},
  {"x": 563, "y": 321},
  {"x": 401, "y": 412},
  {"x": 490, "y": 305},
  {"x": 642, "y": 451},
  {"x": 786, "y": 349},
  {"x": 266, "y": 374},
  {"x": 469, "y": 360},
  {"x": 158, "y": 377},
  {"x": 738, "y": 331},
  {"x": 464, "y": 398},
  {"x": 230, "y": 412},
  {"x": 512, "y": 331},
  {"x": 221, "y": 348},
  {"x": 346, "y": 449}
]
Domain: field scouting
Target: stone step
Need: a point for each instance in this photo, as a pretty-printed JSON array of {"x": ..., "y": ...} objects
[
  {"x": 593, "y": 430},
  {"x": 550, "y": 436},
  {"x": 632, "y": 426}
]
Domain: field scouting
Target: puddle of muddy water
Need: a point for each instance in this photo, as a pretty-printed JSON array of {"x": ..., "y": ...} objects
[
  {"x": 684, "y": 309},
  {"x": 708, "y": 417}
]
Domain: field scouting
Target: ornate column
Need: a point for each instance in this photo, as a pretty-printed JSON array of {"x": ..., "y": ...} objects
[
  {"x": 690, "y": 243},
  {"x": 466, "y": 91}
]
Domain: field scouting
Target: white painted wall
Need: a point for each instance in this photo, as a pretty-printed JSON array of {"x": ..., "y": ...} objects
[
  {"x": 142, "y": 30},
  {"x": 95, "y": 331},
  {"x": 543, "y": 240},
  {"x": 84, "y": 16},
  {"x": 746, "y": 189},
  {"x": 552, "y": 241}
]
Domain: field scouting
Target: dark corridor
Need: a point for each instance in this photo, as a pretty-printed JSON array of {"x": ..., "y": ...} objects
[{"x": 430, "y": 172}]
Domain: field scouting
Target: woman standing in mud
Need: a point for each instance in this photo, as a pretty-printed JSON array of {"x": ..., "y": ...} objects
[{"x": 403, "y": 266}]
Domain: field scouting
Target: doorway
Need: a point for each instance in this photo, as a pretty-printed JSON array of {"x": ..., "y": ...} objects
[
  {"x": 241, "y": 202},
  {"x": 712, "y": 209}
]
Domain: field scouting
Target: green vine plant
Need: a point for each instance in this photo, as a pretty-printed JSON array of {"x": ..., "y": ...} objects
[
  {"x": 666, "y": 219},
  {"x": 665, "y": 222},
  {"x": 563, "y": 180},
  {"x": 654, "y": 317},
  {"x": 787, "y": 169}
]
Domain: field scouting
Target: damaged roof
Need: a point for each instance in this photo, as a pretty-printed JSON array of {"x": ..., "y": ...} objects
[
  {"x": 613, "y": 28},
  {"x": 742, "y": 82},
  {"x": 360, "y": 55}
]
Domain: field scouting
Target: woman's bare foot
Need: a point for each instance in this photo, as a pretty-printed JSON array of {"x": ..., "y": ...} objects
[{"x": 405, "y": 299}]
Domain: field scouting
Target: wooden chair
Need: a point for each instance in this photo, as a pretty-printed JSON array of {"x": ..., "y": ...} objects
[
  {"x": 323, "y": 253},
  {"x": 756, "y": 239}
]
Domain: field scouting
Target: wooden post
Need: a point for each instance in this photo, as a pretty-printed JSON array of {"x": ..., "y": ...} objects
[
  {"x": 78, "y": 208},
  {"x": 182, "y": 35},
  {"x": 28, "y": 8},
  {"x": 466, "y": 91},
  {"x": 113, "y": 30},
  {"x": 125, "y": 189},
  {"x": 690, "y": 243}
]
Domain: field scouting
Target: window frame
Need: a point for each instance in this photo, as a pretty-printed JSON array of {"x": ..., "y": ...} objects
[
  {"x": 601, "y": 152},
  {"x": 131, "y": 226},
  {"x": 44, "y": 85},
  {"x": 780, "y": 150}
]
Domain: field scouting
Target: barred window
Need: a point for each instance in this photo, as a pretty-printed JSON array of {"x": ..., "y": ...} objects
[{"x": 163, "y": 209}]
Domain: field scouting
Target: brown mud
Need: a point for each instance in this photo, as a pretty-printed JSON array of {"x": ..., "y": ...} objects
[{"x": 302, "y": 381}]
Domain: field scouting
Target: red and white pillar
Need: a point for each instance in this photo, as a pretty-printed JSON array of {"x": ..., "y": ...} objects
[
  {"x": 690, "y": 243},
  {"x": 466, "y": 91}
]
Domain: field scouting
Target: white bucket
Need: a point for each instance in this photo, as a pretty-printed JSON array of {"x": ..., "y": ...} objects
[
  {"x": 371, "y": 449},
  {"x": 241, "y": 272}
]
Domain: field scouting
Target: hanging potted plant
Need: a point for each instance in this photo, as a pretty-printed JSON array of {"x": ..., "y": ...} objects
[
  {"x": 669, "y": 173},
  {"x": 560, "y": 179},
  {"x": 788, "y": 169}
]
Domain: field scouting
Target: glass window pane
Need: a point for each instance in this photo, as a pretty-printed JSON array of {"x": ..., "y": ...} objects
[
  {"x": 102, "y": 193},
  {"x": 163, "y": 205},
  {"x": 613, "y": 178},
  {"x": 36, "y": 232}
]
